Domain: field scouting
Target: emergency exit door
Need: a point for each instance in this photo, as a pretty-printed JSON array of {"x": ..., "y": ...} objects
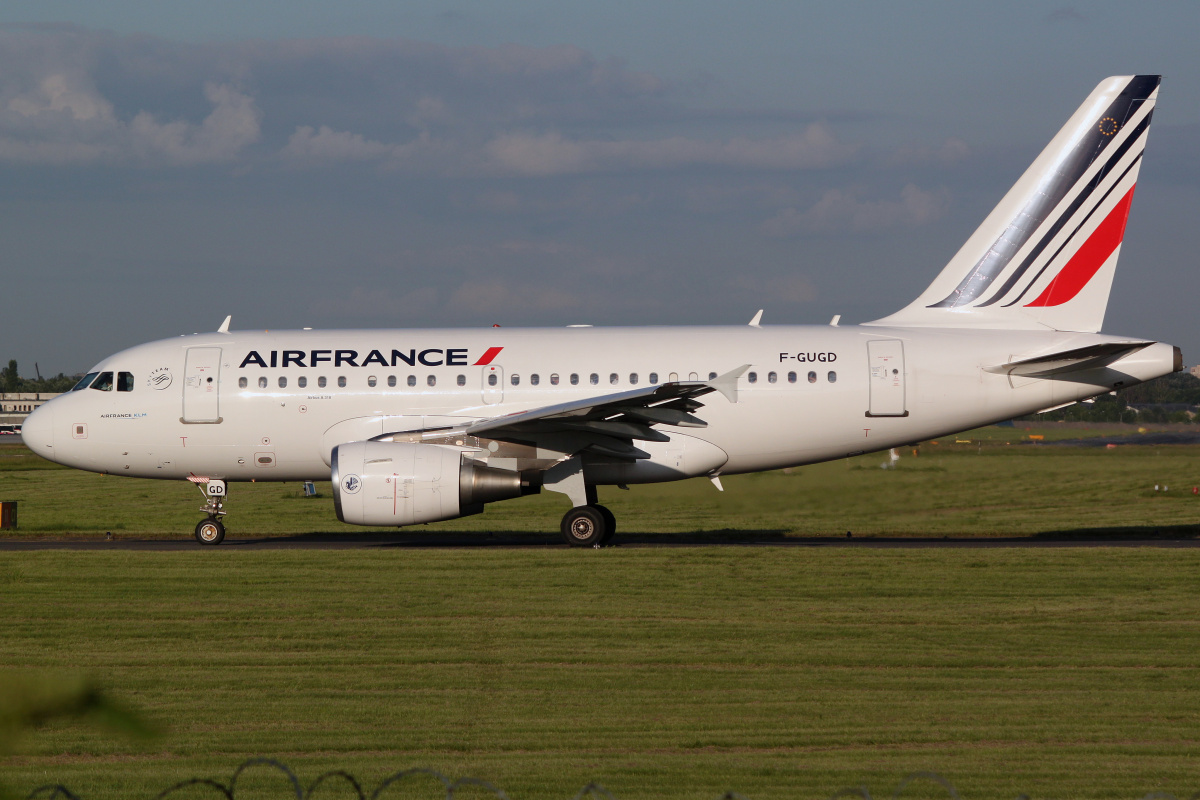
[
  {"x": 201, "y": 385},
  {"x": 493, "y": 384},
  {"x": 886, "y": 360}
]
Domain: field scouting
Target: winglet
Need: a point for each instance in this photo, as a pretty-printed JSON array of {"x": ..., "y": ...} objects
[
  {"x": 727, "y": 384},
  {"x": 757, "y": 319},
  {"x": 225, "y": 325}
]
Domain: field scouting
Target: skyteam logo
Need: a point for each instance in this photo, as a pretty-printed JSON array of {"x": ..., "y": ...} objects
[
  {"x": 351, "y": 484},
  {"x": 159, "y": 379}
]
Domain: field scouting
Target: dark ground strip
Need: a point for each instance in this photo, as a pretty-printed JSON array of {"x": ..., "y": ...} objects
[{"x": 1183, "y": 537}]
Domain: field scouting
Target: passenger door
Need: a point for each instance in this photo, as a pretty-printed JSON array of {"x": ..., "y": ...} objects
[
  {"x": 886, "y": 360},
  {"x": 201, "y": 385}
]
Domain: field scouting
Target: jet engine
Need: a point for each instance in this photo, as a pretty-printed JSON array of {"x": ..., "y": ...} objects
[{"x": 404, "y": 483}]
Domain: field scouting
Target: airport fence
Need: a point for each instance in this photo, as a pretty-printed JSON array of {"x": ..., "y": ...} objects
[{"x": 592, "y": 791}]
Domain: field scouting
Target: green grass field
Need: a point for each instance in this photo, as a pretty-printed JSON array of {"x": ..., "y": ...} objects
[{"x": 660, "y": 672}]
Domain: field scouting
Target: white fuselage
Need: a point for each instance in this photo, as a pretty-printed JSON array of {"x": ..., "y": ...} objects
[{"x": 812, "y": 393}]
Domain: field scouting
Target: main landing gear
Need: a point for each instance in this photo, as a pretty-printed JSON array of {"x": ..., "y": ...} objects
[
  {"x": 589, "y": 526},
  {"x": 211, "y": 530}
]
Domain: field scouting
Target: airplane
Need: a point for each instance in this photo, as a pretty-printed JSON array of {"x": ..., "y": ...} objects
[{"x": 415, "y": 426}]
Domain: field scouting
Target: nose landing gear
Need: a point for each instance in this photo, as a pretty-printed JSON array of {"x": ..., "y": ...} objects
[{"x": 211, "y": 530}]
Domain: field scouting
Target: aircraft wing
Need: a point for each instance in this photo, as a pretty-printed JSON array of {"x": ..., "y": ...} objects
[{"x": 609, "y": 423}]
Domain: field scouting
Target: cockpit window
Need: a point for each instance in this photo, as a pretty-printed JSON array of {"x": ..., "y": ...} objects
[
  {"x": 85, "y": 381},
  {"x": 124, "y": 381},
  {"x": 104, "y": 382}
]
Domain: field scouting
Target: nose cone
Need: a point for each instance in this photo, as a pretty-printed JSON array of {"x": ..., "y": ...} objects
[{"x": 38, "y": 431}]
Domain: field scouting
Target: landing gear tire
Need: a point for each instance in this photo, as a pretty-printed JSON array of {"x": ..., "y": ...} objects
[
  {"x": 210, "y": 531},
  {"x": 610, "y": 524},
  {"x": 584, "y": 526}
]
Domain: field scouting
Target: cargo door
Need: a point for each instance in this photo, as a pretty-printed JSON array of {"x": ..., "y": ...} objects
[
  {"x": 201, "y": 385},
  {"x": 886, "y": 360}
]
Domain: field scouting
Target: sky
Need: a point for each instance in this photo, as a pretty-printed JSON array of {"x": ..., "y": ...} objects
[{"x": 434, "y": 164}]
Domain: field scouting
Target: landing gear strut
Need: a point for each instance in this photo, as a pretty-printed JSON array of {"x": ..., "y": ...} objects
[
  {"x": 211, "y": 530},
  {"x": 588, "y": 526}
]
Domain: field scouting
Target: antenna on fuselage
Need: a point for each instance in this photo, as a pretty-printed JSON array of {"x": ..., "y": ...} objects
[{"x": 225, "y": 325}]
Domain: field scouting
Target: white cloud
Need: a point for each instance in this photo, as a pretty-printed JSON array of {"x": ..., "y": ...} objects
[
  {"x": 841, "y": 210},
  {"x": 232, "y": 125},
  {"x": 61, "y": 92},
  {"x": 487, "y": 297},
  {"x": 326, "y": 144},
  {"x": 948, "y": 153},
  {"x": 64, "y": 120},
  {"x": 549, "y": 154}
]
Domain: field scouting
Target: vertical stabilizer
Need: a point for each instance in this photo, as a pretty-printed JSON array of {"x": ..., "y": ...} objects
[{"x": 1046, "y": 255}]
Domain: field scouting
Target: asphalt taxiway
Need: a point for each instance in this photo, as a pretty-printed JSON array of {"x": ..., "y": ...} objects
[{"x": 1183, "y": 537}]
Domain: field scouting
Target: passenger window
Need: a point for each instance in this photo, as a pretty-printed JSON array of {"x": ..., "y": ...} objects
[
  {"x": 633, "y": 378},
  {"x": 431, "y": 380},
  {"x": 124, "y": 381},
  {"x": 771, "y": 377},
  {"x": 812, "y": 377},
  {"x": 391, "y": 380},
  {"x": 693, "y": 376},
  {"x": 654, "y": 377},
  {"x": 321, "y": 382},
  {"x": 242, "y": 382},
  {"x": 791, "y": 377},
  {"x": 492, "y": 379},
  {"x": 302, "y": 381},
  {"x": 673, "y": 377},
  {"x": 554, "y": 379},
  {"x": 104, "y": 383},
  {"x": 371, "y": 381},
  {"x": 593, "y": 379},
  {"x": 750, "y": 376},
  {"x": 534, "y": 380},
  {"x": 514, "y": 379},
  {"x": 262, "y": 382},
  {"x": 341, "y": 381},
  {"x": 412, "y": 380},
  {"x": 833, "y": 377},
  {"x": 282, "y": 382},
  {"x": 613, "y": 379},
  {"x": 462, "y": 380},
  {"x": 574, "y": 379},
  {"x": 712, "y": 376}
]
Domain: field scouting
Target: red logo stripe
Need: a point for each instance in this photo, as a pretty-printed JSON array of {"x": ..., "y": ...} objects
[
  {"x": 487, "y": 357},
  {"x": 1089, "y": 258}
]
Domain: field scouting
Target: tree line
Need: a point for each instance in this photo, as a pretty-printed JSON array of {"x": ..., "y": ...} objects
[
  {"x": 11, "y": 381},
  {"x": 1179, "y": 388}
]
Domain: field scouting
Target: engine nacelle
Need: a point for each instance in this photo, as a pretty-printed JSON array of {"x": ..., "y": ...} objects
[{"x": 403, "y": 483}]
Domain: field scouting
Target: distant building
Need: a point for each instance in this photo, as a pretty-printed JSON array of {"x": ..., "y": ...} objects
[
  {"x": 16, "y": 406},
  {"x": 1195, "y": 371}
]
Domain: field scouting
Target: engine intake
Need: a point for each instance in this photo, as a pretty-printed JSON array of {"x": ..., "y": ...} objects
[{"x": 404, "y": 483}]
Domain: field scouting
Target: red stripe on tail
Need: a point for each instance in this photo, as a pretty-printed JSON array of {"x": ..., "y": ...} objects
[
  {"x": 487, "y": 357},
  {"x": 1089, "y": 258}
]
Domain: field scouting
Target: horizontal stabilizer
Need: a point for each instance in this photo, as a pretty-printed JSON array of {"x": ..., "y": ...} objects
[{"x": 1096, "y": 355}]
